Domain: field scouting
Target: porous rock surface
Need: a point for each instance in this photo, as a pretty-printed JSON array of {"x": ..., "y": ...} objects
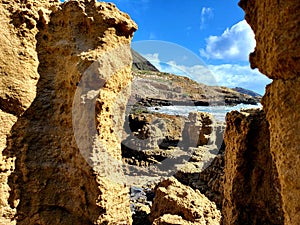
[
  {"x": 276, "y": 25},
  {"x": 154, "y": 138},
  {"x": 198, "y": 130},
  {"x": 46, "y": 49},
  {"x": 161, "y": 140},
  {"x": 153, "y": 131},
  {"x": 169, "y": 219},
  {"x": 251, "y": 184},
  {"x": 207, "y": 178},
  {"x": 175, "y": 203}
]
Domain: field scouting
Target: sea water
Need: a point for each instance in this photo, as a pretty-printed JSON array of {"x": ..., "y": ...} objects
[{"x": 219, "y": 112}]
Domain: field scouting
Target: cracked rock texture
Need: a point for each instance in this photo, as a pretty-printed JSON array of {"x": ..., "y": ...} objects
[
  {"x": 251, "y": 184},
  {"x": 276, "y": 25},
  {"x": 51, "y": 56},
  {"x": 175, "y": 203}
]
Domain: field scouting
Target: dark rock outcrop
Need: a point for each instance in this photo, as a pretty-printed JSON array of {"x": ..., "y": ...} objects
[
  {"x": 248, "y": 92},
  {"x": 140, "y": 63}
]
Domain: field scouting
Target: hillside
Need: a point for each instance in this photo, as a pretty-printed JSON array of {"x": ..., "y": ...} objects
[
  {"x": 140, "y": 63},
  {"x": 153, "y": 88},
  {"x": 248, "y": 92}
]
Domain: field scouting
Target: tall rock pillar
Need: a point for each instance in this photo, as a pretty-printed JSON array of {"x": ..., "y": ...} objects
[
  {"x": 276, "y": 25},
  {"x": 56, "y": 53},
  {"x": 251, "y": 184}
]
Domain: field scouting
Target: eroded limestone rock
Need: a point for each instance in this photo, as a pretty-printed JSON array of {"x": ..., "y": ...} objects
[
  {"x": 46, "y": 49},
  {"x": 281, "y": 103},
  {"x": 198, "y": 130},
  {"x": 251, "y": 184},
  {"x": 169, "y": 219},
  {"x": 18, "y": 55},
  {"x": 188, "y": 206},
  {"x": 276, "y": 25},
  {"x": 150, "y": 131},
  {"x": 205, "y": 174}
]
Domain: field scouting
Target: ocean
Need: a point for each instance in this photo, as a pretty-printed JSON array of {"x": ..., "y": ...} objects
[{"x": 219, "y": 112}]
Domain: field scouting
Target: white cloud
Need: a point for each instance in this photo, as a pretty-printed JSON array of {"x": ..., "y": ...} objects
[
  {"x": 199, "y": 73},
  {"x": 206, "y": 13},
  {"x": 154, "y": 59},
  {"x": 229, "y": 75},
  {"x": 234, "y": 75},
  {"x": 234, "y": 44}
]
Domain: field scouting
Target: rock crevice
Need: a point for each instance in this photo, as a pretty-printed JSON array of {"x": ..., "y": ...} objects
[{"x": 251, "y": 184}]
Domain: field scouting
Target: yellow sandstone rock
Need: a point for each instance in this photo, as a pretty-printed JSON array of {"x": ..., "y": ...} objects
[
  {"x": 189, "y": 206},
  {"x": 47, "y": 47},
  {"x": 277, "y": 55}
]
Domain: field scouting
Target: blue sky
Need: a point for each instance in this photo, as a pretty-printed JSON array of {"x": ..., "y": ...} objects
[
  {"x": 187, "y": 23},
  {"x": 214, "y": 31}
]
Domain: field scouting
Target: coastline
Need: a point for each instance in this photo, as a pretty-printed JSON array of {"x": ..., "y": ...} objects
[{"x": 219, "y": 111}]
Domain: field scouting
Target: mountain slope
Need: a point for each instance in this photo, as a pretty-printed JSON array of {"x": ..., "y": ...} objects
[
  {"x": 248, "y": 92},
  {"x": 156, "y": 88},
  {"x": 140, "y": 63},
  {"x": 153, "y": 88}
]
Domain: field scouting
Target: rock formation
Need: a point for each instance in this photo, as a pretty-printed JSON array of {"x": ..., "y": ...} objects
[
  {"x": 248, "y": 92},
  {"x": 251, "y": 184},
  {"x": 151, "y": 88},
  {"x": 208, "y": 179},
  {"x": 204, "y": 171},
  {"x": 198, "y": 129},
  {"x": 46, "y": 49},
  {"x": 153, "y": 131},
  {"x": 276, "y": 25},
  {"x": 140, "y": 63},
  {"x": 156, "y": 139},
  {"x": 175, "y": 203},
  {"x": 54, "y": 56},
  {"x": 18, "y": 79}
]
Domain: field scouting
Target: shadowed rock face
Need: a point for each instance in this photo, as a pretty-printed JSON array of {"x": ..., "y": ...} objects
[
  {"x": 251, "y": 185},
  {"x": 276, "y": 25},
  {"x": 45, "y": 177},
  {"x": 140, "y": 63}
]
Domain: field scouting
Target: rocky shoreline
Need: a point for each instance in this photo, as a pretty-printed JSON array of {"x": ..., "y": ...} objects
[
  {"x": 152, "y": 88},
  {"x": 152, "y": 102},
  {"x": 153, "y": 138},
  {"x": 61, "y": 157}
]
